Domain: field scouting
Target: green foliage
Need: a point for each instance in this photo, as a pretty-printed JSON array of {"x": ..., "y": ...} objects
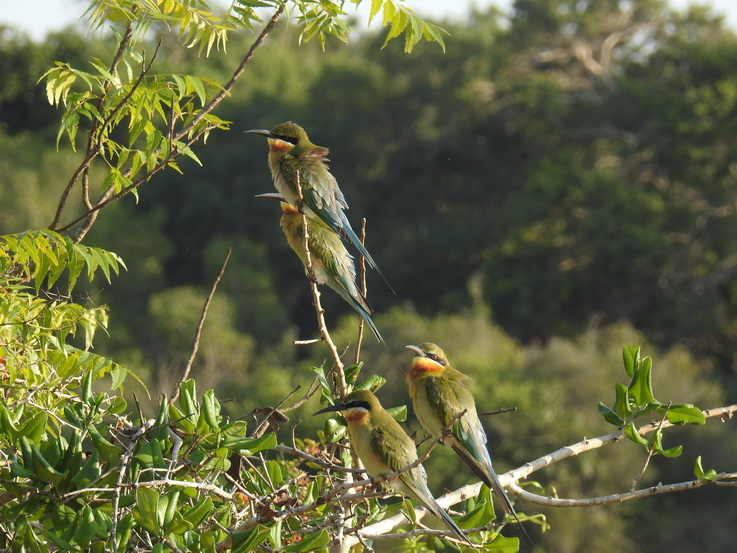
[
  {"x": 401, "y": 20},
  {"x": 638, "y": 399},
  {"x": 552, "y": 187},
  {"x": 42, "y": 256}
]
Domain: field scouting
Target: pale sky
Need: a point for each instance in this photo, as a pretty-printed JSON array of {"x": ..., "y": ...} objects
[{"x": 38, "y": 17}]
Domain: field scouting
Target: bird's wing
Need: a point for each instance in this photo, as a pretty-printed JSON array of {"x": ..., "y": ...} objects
[
  {"x": 321, "y": 193},
  {"x": 398, "y": 453},
  {"x": 468, "y": 436},
  {"x": 447, "y": 400},
  {"x": 396, "y": 450},
  {"x": 320, "y": 190},
  {"x": 393, "y": 447},
  {"x": 329, "y": 249}
]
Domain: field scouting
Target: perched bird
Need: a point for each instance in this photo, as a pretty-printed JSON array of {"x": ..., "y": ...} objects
[
  {"x": 291, "y": 153},
  {"x": 384, "y": 448},
  {"x": 331, "y": 262},
  {"x": 439, "y": 393}
]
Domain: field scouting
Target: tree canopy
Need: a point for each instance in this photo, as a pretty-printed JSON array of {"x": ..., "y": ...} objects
[{"x": 543, "y": 189}]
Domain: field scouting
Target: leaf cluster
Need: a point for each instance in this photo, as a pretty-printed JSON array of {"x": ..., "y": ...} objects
[{"x": 637, "y": 400}]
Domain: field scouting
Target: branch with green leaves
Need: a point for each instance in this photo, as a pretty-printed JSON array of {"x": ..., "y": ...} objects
[{"x": 140, "y": 122}]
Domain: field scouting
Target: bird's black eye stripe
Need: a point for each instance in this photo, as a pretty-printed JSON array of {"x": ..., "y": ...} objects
[
  {"x": 290, "y": 139},
  {"x": 435, "y": 357},
  {"x": 358, "y": 405}
]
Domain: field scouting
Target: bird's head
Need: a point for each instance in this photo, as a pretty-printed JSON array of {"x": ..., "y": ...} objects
[
  {"x": 285, "y": 138},
  {"x": 428, "y": 358},
  {"x": 357, "y": 406}
]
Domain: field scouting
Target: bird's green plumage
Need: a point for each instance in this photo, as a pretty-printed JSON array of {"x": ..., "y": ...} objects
[
  {"x": 384, "y": 448},
  {"x": 331, "y": 262},
  {"x": 439, "y": 392},
  {"x": 293, "y": 156}
]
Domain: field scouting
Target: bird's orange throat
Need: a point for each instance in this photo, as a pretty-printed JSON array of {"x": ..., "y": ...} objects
[
  {"x": 356, "y": 416},
  {"x": 279, "y": 146},
  {"x": 422, "y": 365},
  {"x": 289, "y": 209}
]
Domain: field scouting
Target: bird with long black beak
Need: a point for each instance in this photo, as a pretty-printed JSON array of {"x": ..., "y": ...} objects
[
  {"x": 439, "y": 394},
  {"x": 385, "y": 448},
  {"x": 294, "y": 159}
]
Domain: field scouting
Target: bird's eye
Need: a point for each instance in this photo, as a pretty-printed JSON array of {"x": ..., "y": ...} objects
[
  {"x": 432, "y": 356},
  {"x": 290, "y": 139}
]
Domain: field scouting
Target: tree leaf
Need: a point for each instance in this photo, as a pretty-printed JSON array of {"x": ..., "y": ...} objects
[
  {"x": 631, "y": 432},
  {"x": 310, "y": 543},
  {"x": 243, "y": 542},
  {"x": 641, "y": 387},
  {"x": 631, "y": 356},
  {"x": 685, "y": 413},
  {"x": 698, "y": 470}
]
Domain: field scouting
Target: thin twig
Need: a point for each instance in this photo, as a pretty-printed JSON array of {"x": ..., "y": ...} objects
[
  {"x": 285, "y": 449},
  {"x": 202, "y": 486},
  {"x": 651, "y": 451},
  {"x": 307, "y": 342},
  {"x": 122, "y": 471},
  {"x": 92, "y": 149},
  {"x": 200, "y": 324},
  {"x": 364, "y": 290},
  {"x": 96, "y": 130},
  {"x": 341, "y": 386},
  {"x": 723, "y": 479},
  {"x": 314, "y": 386},
  {"x": 498, "y": 412}
]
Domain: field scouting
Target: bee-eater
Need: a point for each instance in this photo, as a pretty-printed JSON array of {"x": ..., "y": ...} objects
[
  {"x": 384, "y": 448},
  {"x": 291, "y": 153},
  {"x": 331, "y": 262},
  {"x": 439, "y": 393}
]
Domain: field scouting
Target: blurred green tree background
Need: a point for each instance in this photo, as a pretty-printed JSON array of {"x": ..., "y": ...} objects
[{"x": 559, "y": 183}]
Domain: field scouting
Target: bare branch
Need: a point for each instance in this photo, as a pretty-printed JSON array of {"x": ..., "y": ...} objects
[
  {"x": 225, "y": 92},
  {"x": 729, "y": 479},
  {"x": 200, "y": 325},
  {"x": 202, "y": 486},
  {"x": 498, "y": 412},
  {"x": 318, "y": 461},
  {"x": 510, "y": 478},
  {"x": 594, "y": 443}
]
